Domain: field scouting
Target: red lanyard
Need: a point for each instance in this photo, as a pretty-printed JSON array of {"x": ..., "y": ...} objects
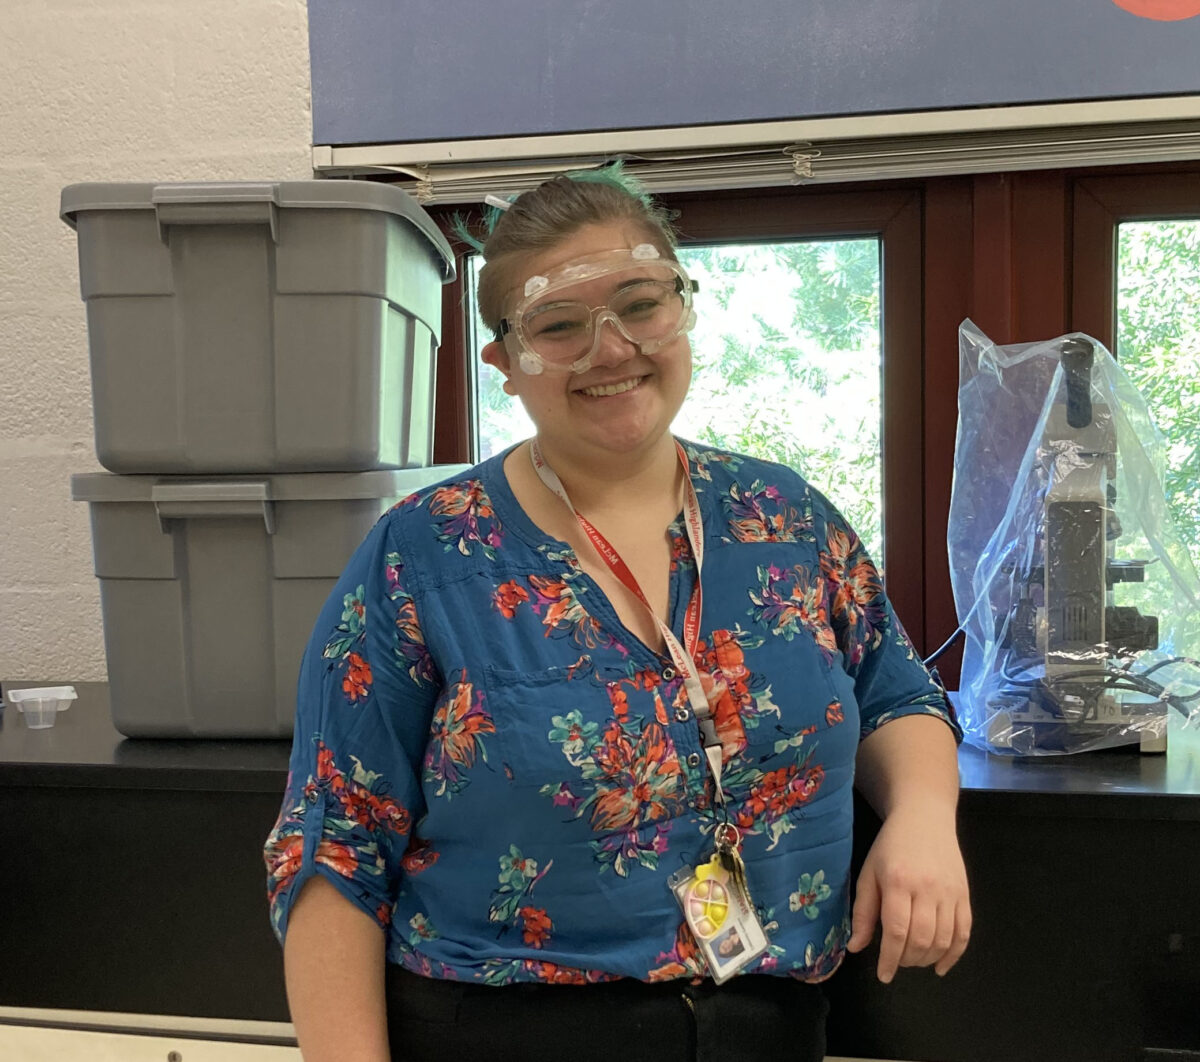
[{"x": 681, "y": 655}]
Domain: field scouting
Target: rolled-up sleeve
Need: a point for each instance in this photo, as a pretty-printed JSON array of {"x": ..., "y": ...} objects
[
  {"x": 366, "y": 693},
  {"x": 890, "y": 680}
]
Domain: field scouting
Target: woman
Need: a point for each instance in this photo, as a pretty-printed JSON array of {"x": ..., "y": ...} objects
[{"x": 576, "y": 719}]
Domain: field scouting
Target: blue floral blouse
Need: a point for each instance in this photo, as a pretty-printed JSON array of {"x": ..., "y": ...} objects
[{"x": 488, "y": 763}]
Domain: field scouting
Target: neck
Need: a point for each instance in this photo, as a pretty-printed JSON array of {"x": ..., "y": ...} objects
[{"x": 614, "y": 481}]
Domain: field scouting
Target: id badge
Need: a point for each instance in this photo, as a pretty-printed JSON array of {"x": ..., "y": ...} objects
[{"x": 719, "y": 913}]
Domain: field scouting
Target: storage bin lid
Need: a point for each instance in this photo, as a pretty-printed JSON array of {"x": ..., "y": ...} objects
[
  {"x": 313, "y": 195},
  {"x": 296, "y": 486}
]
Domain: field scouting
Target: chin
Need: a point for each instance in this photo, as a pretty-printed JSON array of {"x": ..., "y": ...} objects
[{"x": 628, "y": 441}]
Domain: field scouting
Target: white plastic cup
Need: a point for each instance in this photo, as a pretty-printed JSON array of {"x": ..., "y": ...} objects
[{"x": 41, "y": 706}]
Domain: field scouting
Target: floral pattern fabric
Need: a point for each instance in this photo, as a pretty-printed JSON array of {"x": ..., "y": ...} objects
[{"x": 492, "y": 766}]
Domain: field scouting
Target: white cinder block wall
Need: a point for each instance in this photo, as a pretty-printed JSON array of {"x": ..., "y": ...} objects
[{"x": 106, "y": 90}]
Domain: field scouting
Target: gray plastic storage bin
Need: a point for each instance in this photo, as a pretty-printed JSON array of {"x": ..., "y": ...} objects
[
  {"x": 259, "y": 327},
  {"x": 210, "y": 589}
]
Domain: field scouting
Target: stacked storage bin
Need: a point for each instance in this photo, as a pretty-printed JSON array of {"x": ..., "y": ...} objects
[{"x": 262, "y": 362}]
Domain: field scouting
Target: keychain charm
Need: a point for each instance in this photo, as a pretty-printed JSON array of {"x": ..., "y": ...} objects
[{"x": 717, "y": 907}]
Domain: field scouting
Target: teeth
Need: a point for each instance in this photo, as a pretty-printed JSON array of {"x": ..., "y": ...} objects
[{"x": 611, "y": 389}]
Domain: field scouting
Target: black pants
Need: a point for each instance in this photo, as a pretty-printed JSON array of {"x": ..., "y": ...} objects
[{"x": 747, "y": 1018}]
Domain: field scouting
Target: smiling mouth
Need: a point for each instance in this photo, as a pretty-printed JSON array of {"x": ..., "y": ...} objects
[{"x": 605, "y": 390}]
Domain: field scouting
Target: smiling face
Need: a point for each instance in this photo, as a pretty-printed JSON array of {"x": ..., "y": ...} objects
[{"x": 625, "y": 401}]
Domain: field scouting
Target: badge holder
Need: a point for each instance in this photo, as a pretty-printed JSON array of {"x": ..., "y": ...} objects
[{"x": 717, "y": 907}]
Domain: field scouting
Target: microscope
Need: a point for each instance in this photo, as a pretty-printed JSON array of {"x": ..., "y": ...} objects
[{"x": 1066, "y": 675}]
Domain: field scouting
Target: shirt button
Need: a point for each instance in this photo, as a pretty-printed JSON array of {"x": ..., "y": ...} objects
[
  {"x": 694, "y": 760},
  {"x": 668, "y": 673},
  {"x": 682, "y": 715}
]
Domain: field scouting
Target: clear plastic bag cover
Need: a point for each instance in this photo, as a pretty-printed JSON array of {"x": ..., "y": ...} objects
[{"x": 1080, "y": 603}]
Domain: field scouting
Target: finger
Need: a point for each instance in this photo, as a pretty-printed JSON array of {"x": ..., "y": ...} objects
[
  {"x": 895, "y": 913},
  {"x": 866, "y": 912},
  {"x": 962, "y": 934},
  {"x": 922, "y": 928},
  {"x": 943, "y": 936}
]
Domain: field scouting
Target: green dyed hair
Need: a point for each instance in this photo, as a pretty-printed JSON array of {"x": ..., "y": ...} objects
[{"x": 546, "y": 215}]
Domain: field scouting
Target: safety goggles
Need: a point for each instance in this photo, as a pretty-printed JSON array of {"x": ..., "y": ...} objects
[{"x": 648, "y": 300}]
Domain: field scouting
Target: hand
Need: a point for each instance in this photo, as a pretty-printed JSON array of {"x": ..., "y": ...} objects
[{"x": 914, "y": 884}]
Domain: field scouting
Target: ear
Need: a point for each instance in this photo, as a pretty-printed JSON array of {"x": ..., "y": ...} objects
[{"x": 495, "y": 354}]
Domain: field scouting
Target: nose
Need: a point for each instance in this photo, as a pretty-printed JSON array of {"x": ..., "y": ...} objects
[{"x": 610, "y": 347}]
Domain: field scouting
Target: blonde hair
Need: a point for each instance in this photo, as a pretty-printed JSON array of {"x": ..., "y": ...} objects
[{"x": 546, "y": 215}]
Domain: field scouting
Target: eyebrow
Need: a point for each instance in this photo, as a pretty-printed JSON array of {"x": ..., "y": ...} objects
[
  {"x": 632, "y": 282},
  {"x": 547, "y": 306}
]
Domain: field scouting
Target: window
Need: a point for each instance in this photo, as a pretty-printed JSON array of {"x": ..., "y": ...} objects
[
  {"x": 1158, "y": 346},
  {"x": 787, "y": 363},
  {"x": 1136, "y": 288},
  {"x": 499, "y": 419}
]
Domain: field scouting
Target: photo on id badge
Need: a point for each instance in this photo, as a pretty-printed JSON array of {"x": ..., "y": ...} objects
[{"x": 728, "y": 946}]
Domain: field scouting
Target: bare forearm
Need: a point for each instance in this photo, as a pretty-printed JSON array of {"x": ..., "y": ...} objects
[
  {"x": 913, "y": 883},
  {"x": 333, "y": 960},
  {"x": 909, "y": 762}
]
